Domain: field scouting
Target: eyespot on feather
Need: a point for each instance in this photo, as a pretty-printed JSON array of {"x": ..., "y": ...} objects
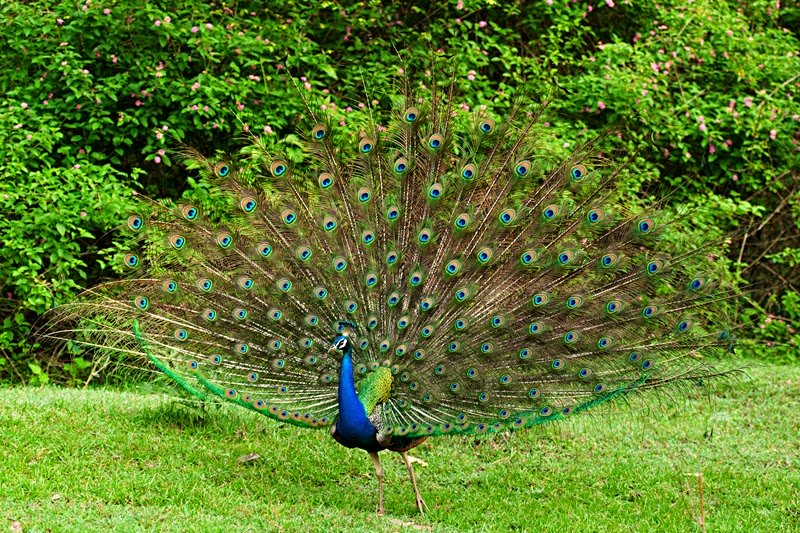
[
  {"x": 366, "y": 145},
  {"x": 278, "y": 168},
  {"x": 319, "y": 132},
  {"x": 222, "y": 169},
  {"x": 435, "y": 141}
]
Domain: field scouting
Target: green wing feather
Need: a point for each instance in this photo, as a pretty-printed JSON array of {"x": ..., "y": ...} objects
[{"x": 501, "y": 289}]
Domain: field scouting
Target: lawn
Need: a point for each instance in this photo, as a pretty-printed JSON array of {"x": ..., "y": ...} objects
[{"x": 100, "y": 459}]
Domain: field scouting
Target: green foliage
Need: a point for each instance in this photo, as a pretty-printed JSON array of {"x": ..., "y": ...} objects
[{"x": 97, "y": 94}]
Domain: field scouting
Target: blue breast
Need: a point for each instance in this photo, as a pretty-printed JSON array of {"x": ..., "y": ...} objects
[{"x": 353, "y": 429}]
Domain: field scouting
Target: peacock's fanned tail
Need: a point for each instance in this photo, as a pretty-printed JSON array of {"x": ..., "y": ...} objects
[{"x": 502, "y": 290}]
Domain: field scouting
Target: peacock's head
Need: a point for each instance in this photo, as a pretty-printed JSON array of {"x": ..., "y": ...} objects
[{"x": 341, "y": 344}]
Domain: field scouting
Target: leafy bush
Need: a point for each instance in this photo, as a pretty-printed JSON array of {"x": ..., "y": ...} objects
[{"x": 96, "y": 94}]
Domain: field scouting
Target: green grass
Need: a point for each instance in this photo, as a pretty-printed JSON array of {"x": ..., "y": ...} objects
[{"x": 93, "y": 460}]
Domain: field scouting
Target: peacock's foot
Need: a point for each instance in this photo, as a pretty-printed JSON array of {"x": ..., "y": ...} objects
[{"x": 421, "y": 505}]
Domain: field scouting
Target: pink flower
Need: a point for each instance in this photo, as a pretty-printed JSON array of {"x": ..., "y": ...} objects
[
  {"x": 205, "y": 108},
  {"x": 735, "y": 177},
  {"x": 239, "y": 106},
  {"x": 195, "y": 108},
  {"x": 482, "y": 24},
  {"x": 78, "y": 106},
  {"x": 60, "y": 22},
  {"x": 157, "y": 22},
  {"x": 23, "y": 105},
  {"x": 460, "y": 5},
  {"x": 106, "y": 11},
  {"x": 195, "y": 86},
  {"x": 471, "y": 75},
  {"x": 167, "y": 20},
  {"x": 65, "y": 43},
  {"x": 113, "y": 59},
  {"x": 601, "y": 105},
  {"x": 157, "y": 160},
  {"x": 76, "y": 165},
  {"x": 17, "y": 126},
  {"x": 267, "y": 129},
  {"x": 711, "y": 149},
  {"x": 748, "y": 102},
  {"x": 773, "y": 134},
  {"x": 702, "y": 127},
  {"x": 138, "y": 103},
  {"x": 589, "y": 9},
  {"x": 549, "y": 2},
  {"x": 159, "y": 135},
  {"x": 307, "y": 85},
  {"x": 610, "y": 3},
  {"x": 161, "y": 152},
  {"x": 195, "y": 29},
  {"x": 729, "y": 33},
  {"x": 209, "y": 26}
]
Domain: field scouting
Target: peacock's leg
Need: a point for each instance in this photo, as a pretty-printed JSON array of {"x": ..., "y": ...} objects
[
  {"x": 376, "y": 462},
  {"x": 420, "y": 502}
]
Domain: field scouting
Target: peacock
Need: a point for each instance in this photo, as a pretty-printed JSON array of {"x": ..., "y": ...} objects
[{"x": 427, "y": 271}]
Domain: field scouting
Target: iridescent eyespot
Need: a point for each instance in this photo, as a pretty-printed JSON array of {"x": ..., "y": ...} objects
[
  {"x": 540, "y": 299},
  {"x": 391, "y": 258},
  {"x": 535, "y": 328},
  {"x": 685, "y": 325},
  {"x": 486, "y": 126},
  {"x": 222, "y": 169},
  {"x": 181, "y": 334},
  {"x": 460, "y": 324},
  {"x": 609, "y": 260},
  {"x": 239, "y": 313},
  {"x": 401, "y": 165},
  {"x": 278, "y": 168},
  {"x": 210, "y": 315},
  {"x": 205, "y": 284},
  {"x": 525, "y": 353},
  {"x": 653, "y": 267},
  {"x": 614, "y": 306},
  {"x": 320, "y": 293},
  {"x": 329, "y": 224},
  {"x": 439, "y": 369},
  {"x": 177, "y": 241},
  {"x": 304, "y": 253},
  {"x": 558, "y": 364},
  {"x": 604, "y": 342},
  {"x": 649, "y": 311},
  {"x": 312, "y": 320},
  {"x": 484, "y": 255},
  {"x": 325, "y": 180},
  {"x": 419, "y": 355},
  {"x": 366, "y": 145},
  {"x": 462, "y": 221},
  {"x": 424, "y": 236},
  {"x": 646, "y": 225},
  {"x": 435, "y": 141},
  {"x": 469, "y": 172},
  {"x": 435, "y": 191},
  {"x": 371, "y": 280},
  {"x": 584, "y": 373},
  {"x": 507, "y": 216},
  {"x": 372, "y": 322},
  {"x": 263, "y": 249},
  {"x": 284, "y": 285},
  {"x": 252, "y": 377},
  {"x": 135, "y": 222},
  {"x": 633, "y": 357},
  {"x": 141, "y": 302},
  {"x": 416, "y": 278},
  {"x": 505, "y": 379},
  {"x": 393, "y": 213},
  {"x": 393, "y": 298},
  {"x": 578, "y": 172},
  {"x": 482, "y": 397},
  {"x": 339, "y": 264},
  {"x": 487, "y": 347},
  {"x": 498, "y": 321},
  {"x": 217, "y": 359},
  {"x": 570, "y": 337},
  {"x": 550, "y": 212},
  {"x": 426, "y": 304},
  {"x": 647, "y": 364},
  {"x": 594, "y": 216},
  {"x": 402, "y": 323},
  {"x": 411, "y": 114},
  {"x": 534, "y": 393},
  {"x": 224, "y": 240},
  {"x": 528, "y": 257},
  {"x": 364, "y": 194},
  {"x": 319, "y": 132},
  {"x": 367, "y": 237},
  {"x": 400, "y": 351},
  {"x": 453, "y": 346},
  {"x": 289, "y": 217},
  {"x": 169, "y": 286},
  {"x": 471, "y": 373},
  {"x": 463, "y": 294},
  {"x": 696, "y": 284},
  {"x": 453, "y": 267},
  {"x": 248, "y": 204},
  {"x": 350, "y": 306},
  {"x": 522, "y": 168},
  {"x": 131, "y": 260},
  {"x": 565, "y": 257}
]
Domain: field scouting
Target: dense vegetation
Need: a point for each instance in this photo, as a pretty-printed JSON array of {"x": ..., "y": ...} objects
[{"x": 97, "y": 93}]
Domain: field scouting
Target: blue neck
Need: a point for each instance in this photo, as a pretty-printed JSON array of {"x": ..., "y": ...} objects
[{"x": 353, "y": 426}]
